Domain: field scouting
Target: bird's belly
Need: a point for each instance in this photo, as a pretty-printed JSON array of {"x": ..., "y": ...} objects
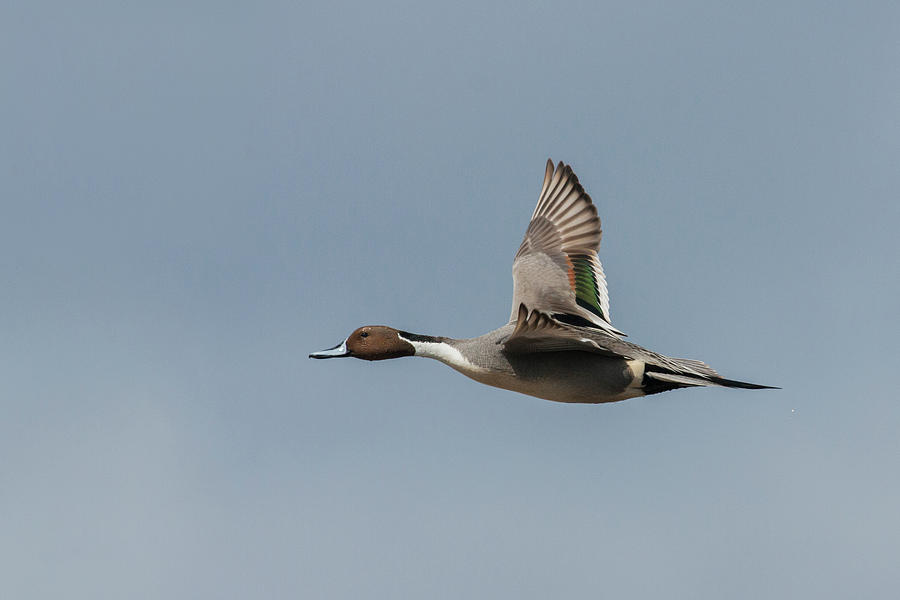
[{"x": 567, "y": 377}]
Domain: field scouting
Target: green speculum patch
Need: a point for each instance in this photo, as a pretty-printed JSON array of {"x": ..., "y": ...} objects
[{"x": 586, "y": 293}]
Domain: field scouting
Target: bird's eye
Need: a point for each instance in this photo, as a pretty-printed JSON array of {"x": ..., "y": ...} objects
[{"x": 364, "y": 334}]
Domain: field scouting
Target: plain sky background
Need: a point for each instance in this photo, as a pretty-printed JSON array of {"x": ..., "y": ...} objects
[{"x": 195, "y": 195}]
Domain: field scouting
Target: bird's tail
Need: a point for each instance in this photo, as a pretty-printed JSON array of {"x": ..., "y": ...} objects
[{"x": 690, "y": 373}]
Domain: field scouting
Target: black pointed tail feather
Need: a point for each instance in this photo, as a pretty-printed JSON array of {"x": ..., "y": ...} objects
[
  {"x": 658, "y": 380},
  {"x": 732, "y": 383}
]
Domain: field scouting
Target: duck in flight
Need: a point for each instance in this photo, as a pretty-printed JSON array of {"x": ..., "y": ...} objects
[{"x": 559, "y": 343}]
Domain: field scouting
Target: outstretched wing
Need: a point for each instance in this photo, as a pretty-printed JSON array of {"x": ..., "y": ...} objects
[{"x": 556, "y": 269}]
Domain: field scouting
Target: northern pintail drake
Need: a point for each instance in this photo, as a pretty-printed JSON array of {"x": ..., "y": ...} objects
[{"x": 559, "y": 343}]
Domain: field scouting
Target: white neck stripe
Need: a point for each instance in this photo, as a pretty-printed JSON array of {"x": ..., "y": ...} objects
[{"x": 443, "y": 352}]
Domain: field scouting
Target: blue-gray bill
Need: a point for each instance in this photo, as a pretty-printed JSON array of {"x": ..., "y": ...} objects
[{"x": 336, "y": 352}]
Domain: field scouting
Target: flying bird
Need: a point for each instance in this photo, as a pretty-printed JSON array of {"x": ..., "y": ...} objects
[{"x": 559, "y": 343}]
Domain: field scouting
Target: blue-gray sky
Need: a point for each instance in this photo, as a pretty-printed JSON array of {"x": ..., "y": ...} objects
[{"x": 196, "y": 195}]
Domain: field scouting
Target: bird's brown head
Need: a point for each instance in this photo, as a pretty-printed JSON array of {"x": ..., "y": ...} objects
[{"x": 372, "y": 342}]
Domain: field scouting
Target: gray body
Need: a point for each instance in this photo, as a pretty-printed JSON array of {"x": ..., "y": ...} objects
[{"x": 568, "y": 376}]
